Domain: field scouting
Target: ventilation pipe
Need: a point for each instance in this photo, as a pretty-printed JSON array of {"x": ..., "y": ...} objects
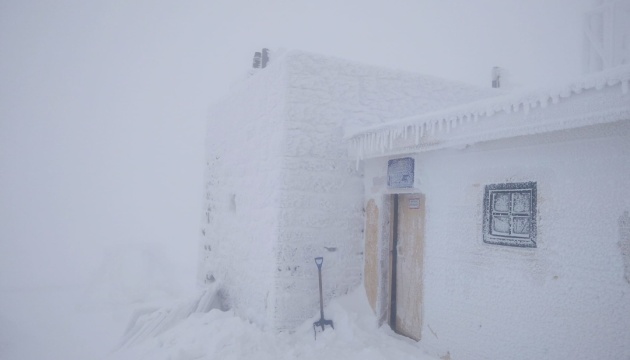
[
  {"x": 257, "y": 60},
  {"x": 496, "y": 77},
  {"x": 261, "y": 59}
]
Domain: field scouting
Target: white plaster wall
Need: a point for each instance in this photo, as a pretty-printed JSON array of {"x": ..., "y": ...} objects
[
  {"x": 565, "y": 299},
  {"x": 242, "y": 194}
]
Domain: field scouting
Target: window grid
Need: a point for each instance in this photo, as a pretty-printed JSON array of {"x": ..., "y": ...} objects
[{"x": 510, "y": 214}]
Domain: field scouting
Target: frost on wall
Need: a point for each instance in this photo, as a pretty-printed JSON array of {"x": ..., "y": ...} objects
[{"x": 624, "y": 243}]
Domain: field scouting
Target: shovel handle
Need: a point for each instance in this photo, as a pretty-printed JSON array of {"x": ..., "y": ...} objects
[{"x": 319, "y": 261}]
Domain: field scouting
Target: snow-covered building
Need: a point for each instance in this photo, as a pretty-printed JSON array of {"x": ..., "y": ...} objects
[
  {"x": 481, "y": 223},
  {"x": 500, "y": 228},
  {"x": 281, "y": 187}
]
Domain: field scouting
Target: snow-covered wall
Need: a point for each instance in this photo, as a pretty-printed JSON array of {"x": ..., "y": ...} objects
[
  {"x": 281, "y": 188},
  {"x": 567, "y": 298},
  {"x": 242, "y": 193},
  {"x": 322, "y": 195}
]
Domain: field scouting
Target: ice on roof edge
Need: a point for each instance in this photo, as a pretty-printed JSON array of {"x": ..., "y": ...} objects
[{"x": 514, "y": 102}]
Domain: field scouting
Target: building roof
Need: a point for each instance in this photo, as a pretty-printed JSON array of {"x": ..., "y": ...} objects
[
  {"x": 596, "y": 98},
  {"x": 372, "y": 95}
]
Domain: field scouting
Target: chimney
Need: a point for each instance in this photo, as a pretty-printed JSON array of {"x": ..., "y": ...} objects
[{"x": 257, "y": 60}]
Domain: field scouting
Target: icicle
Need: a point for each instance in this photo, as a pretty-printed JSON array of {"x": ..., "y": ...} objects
[
  {"x": 475, "y": 117},
  {"x": 526, "y": 108},
  {"x": 382, "y": 139},
  {"x": 372, "y": 142},
  {"x": 624, "y": 86},
  {"x": 358, "y": 153},
  {"x": 418, "y": 129}
]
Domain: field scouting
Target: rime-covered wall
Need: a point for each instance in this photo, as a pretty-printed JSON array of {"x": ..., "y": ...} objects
[
  {"x": 565, "y": 299},
  {"x": 281, "y": 188},
  {"x": 242, "y": 193},
  {"x": 322, "y": 192}
]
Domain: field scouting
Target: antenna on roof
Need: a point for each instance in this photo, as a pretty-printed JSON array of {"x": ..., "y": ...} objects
[
  {"x": 606, "y": 35},
  {"x": 265, "y": 57},
  {"x": 496, "y": 77},
  {"x": 261, "y": 59}
]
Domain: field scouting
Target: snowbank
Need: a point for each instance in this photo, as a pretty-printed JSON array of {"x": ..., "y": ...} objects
[{"x": 222, "y": 335}]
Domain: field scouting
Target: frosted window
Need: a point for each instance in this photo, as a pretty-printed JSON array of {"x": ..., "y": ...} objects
[
  {"x": 521, "y": 202},
  {"x": 501, "y": 202},
  {"x": 510, "y": 214}
]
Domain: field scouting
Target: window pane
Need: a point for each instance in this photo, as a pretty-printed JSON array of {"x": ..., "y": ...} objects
[
  {"x": 520, "y": 226},
  {"x": 501, "y": 202},
  {"x": 501, "y": 225},
  {"x": 521, "y": 203}
]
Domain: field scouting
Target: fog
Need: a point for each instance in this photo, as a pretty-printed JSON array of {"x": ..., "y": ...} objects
[{"x": 103, "y": 105}]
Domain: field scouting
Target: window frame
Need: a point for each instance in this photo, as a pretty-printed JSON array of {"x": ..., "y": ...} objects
[{"x": 511, "y": 237}]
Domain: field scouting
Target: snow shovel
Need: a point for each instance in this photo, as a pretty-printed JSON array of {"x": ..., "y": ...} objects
[{"x": 321, "y": 322}]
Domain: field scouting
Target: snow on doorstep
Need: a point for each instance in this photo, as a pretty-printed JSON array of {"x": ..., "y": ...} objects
[
  {"x": 430, "y": 128},
  {"x": 223, "y": 335}
]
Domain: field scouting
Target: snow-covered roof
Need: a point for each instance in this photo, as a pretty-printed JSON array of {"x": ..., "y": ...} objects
[
  {"x": 535, "y": 111},
  {"x": 360, "y": 94}
]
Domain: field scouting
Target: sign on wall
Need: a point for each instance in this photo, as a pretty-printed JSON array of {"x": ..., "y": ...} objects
[{"x": 400, "y": 173}]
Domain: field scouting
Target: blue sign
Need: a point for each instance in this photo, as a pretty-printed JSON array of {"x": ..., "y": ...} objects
[{"x": 400, "y": 173}]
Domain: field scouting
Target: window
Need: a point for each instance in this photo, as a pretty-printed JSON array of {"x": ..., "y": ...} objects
[{"x": 510, "y": 214}]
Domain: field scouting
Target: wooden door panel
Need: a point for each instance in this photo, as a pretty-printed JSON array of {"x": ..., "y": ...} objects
[{"x": 410, "y": 250}]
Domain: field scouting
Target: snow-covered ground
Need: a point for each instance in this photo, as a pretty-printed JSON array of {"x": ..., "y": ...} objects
[
  {"x": 62, "y": 324},
  {"x": 221, "y": 335}
]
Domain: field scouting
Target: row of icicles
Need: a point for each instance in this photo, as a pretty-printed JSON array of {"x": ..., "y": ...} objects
[{"x": 379, "y": 140}]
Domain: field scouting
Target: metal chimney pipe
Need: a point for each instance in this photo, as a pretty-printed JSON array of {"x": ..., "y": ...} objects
[{"x": 257, "y": 60}]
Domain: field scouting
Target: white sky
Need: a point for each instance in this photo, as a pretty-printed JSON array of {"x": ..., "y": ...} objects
[{"x": 103, "y": 103}]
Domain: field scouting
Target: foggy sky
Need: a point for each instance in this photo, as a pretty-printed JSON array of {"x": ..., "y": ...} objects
[{"x": 103, "y": 103}]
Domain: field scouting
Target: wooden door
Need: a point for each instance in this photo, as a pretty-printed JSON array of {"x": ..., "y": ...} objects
[{"x": 409, "y": 243}]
